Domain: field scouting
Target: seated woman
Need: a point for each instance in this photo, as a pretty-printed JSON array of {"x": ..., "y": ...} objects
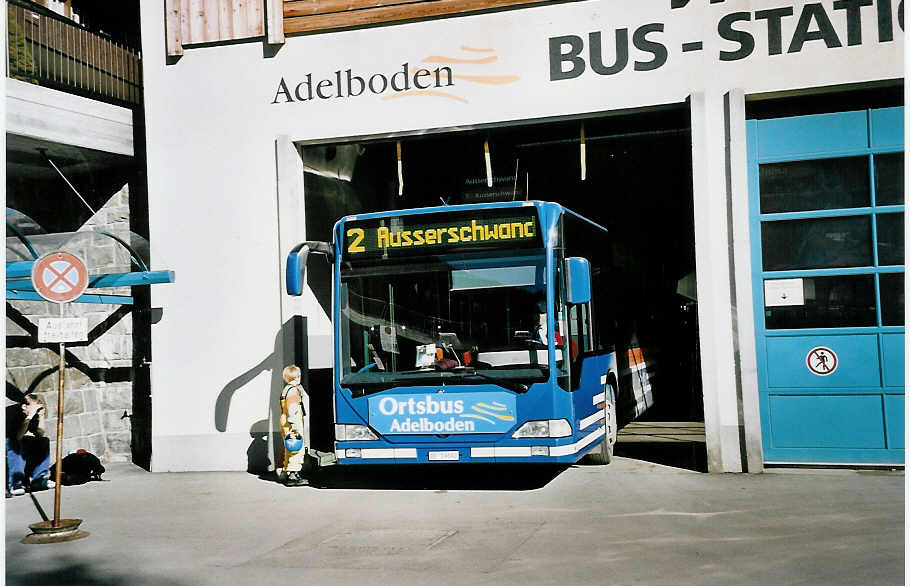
[{"x": 28, "y": 454}]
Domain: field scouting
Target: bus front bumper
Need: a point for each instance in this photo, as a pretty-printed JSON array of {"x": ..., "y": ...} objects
[{"x": 349, "y": 453}]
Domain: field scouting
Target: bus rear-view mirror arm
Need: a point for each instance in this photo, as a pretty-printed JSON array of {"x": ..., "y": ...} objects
[{"x": 295, "y": 270}]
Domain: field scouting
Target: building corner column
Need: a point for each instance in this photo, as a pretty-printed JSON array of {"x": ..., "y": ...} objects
[
  {"x": 744, "y": 316},
  {"x": 291, "y": 231},
  {"x": 715, "y": 291}
]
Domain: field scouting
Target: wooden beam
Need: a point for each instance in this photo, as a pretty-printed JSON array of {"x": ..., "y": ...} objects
[
  {"x": 255, "y": 18},
  {"x": 393, "y": 13},
  {"x": 309, "y": 7},
  {"x": 174, "y": 27},
  {"x": 274, "y": 22},
  {"x": 227, "y": 22}
]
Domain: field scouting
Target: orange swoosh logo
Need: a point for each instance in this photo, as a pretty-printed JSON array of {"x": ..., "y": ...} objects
[
  {"x": 456, "y": 60},
  {"x": 489, "y": 79},
  {"x": 448, "y": 60},
  {"x": 432, "y": 93}
]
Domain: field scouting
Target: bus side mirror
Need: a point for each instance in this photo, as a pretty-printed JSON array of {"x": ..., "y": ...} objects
[
  {"x": 295, "y": 268},
  {"x": 578, "y": 280}
]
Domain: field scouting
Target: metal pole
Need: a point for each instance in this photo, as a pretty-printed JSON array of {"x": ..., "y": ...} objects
[
  {"x": 57, "y": 477},
  {"x": 59, "y": 172},
  {"x": 61, "y": 371}
]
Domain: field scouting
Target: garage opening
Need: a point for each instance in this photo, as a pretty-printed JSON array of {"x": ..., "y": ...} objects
[{"x": 631, "y": 173}]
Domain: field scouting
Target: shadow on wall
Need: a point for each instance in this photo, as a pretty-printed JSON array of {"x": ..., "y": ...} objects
[{"x": 259, "y": 456}]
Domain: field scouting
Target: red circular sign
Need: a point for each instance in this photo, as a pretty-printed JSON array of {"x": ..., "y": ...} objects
[
  {"x": 59, "y": 276},
  {"x": 821, "y": 361}
]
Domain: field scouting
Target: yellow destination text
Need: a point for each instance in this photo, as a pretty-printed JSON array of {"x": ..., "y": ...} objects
[{"x": 461, "y": 233}]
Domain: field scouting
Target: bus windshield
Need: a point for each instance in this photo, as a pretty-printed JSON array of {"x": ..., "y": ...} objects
[{"x": 454, "y": 319}]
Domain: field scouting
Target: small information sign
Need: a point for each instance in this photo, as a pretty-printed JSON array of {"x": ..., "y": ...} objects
[
  {"x": 62, "y": 329},
  {"x": 782, "y": 292}
]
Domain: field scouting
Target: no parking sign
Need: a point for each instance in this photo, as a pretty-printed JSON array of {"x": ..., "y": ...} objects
[{"x": 59, "y": 276}]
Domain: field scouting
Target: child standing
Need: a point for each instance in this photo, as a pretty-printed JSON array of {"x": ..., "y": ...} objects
[{"x": 291, "y": 421}]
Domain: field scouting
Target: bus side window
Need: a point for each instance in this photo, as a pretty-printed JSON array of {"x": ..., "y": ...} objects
[{"x": 580, "y": 330}]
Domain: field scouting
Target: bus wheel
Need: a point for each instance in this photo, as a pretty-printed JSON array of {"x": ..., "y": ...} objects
[{"x": 603, "y": 453}]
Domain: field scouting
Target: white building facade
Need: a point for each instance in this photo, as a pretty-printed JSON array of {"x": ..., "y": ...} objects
[{"x": 226, "y": 125}]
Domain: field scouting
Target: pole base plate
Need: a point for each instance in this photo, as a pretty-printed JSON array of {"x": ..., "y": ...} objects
[{"x": 47, "y": 532}]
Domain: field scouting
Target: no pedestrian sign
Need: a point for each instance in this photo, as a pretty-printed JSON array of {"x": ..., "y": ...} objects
[
  {"x": 821, "y": 361},
  {"x": 59, "y": 276}
]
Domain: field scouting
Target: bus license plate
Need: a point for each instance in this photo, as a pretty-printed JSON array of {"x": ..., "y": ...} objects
[{"x": 447, "y": 456}]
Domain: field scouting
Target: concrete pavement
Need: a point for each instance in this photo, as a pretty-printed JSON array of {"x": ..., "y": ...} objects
[{"x": 631, "y": 522}]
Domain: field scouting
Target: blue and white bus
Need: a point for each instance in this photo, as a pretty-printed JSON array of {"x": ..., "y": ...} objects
[{"x": 472, "y": 334}]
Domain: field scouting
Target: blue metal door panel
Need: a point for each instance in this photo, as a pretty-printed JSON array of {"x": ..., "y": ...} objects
[
  {"x": 894, "y": 420},
  {"x": 887, "y": 127},
  {"x": 857, "y": 361},
  {"x": 893, "y": 358},
  {"x": 802, "y": 135},
  {"x": 827, "y": 421},
  {"x": 854, "y": 414}
]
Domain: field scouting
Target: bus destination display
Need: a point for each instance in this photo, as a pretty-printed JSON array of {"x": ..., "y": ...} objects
[{"x": 440, "y": 233}]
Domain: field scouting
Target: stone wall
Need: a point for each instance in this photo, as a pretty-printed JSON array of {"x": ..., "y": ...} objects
[{"x": 98, "y": 391}]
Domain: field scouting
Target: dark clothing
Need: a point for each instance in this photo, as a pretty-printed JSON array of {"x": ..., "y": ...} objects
[
  {"x": 26, "y": 458},
  {"x": 14, "y": 419}
]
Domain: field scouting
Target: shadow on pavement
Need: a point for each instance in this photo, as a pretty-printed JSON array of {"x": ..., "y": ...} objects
[
  {"x": 688, "y": 455},
  {"x": 71, "y": 571},
  {"x": 436, "y": 477}
]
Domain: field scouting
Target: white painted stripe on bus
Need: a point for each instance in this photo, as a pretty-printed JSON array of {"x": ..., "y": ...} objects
[
  {"x": 594, "y": 417},
  {"x": 525, "y": 451},
  {"x": 603, "y": 379},
  {"x": 384, "y": 453},
  {"x": 599, "y": 398},
  {"x": 512, "y": 451},
  {"x": 579, "y": 445},
  {"x": 502, "y": 452},
  {"x": 494, "y": 452}
]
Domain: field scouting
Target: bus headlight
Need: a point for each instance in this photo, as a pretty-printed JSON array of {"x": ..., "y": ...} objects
[
  {"x": 353, "y": 433},
  {"x": 544, "y": 428}
]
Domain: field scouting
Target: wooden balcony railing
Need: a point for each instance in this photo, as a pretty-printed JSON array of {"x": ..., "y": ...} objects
[{"x": 52, "y": 51}]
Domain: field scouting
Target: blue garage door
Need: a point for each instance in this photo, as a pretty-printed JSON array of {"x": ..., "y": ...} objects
[{"x": 827, "y": 217}]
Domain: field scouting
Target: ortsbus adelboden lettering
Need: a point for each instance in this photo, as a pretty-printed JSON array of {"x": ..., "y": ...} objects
[
  {"x": 428, "y": 405},
  {"x": 425, "y": 425},
  {"x": 347, "y": 84}
]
